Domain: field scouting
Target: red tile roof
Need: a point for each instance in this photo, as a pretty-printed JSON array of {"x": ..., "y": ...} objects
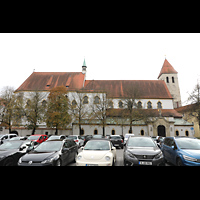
[
  {"x": 167, "y": 68},
  {"x": 148, "y": 89},
  {"x": 44, "y": 81}
]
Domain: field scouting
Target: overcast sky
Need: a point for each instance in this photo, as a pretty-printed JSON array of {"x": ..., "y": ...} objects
[{"x": 108, "y": 56}]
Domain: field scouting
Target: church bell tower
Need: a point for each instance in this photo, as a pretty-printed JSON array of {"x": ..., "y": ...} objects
[{"x": 170, "y": 76}]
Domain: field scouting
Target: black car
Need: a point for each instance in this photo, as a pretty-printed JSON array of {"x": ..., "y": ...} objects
[
  {"x": 116, "y": 141},
  {"x": 51, "y": 153},
  {"x": 142, "y": 151},
  {"x": 11, "y": 151}
]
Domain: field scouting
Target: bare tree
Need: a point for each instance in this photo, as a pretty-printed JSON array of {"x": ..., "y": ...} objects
[
  {"x": 30, "y": 108},
  {"x": 7, "y": 103},
  {"x": 194, "y": 99},
  {"x": 133, "y": 110},
  {"x": 78, "y": 107},
  {"x": 99, "y": 110}
]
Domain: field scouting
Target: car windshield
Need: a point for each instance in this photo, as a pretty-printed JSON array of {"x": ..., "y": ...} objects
[
  {"x": 49, "y": 146},
  {"x": 33, "y": 137},
  {"x": 97, "y": 145},
  {"x": 11, "y": 145},
  {"x": 188, "y": 143},
  {"x": 72, "y": 137},
  {"x": 140, "y": 142}
]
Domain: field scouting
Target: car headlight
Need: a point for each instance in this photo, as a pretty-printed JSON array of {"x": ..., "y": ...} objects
[
  {"x": 79, "y": 157},
  {"x": 189, "y": 158},
  {"x": 49, "y": 160},
  {"x": 160, "y": 155},
  {"x": 130, "y": 154},
  {"x": 107, "y": 158}
]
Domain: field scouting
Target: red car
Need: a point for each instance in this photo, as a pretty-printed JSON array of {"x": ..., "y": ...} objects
[{"x": 38, "y": 138}]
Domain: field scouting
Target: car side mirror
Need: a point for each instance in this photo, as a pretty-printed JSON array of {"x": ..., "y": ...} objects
[
  {"x": 113, "y": 148},
  {"x": 22, "y": 148}
]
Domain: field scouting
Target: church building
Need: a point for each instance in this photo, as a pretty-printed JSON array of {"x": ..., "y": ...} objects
[{"x": 106, "y": 103}]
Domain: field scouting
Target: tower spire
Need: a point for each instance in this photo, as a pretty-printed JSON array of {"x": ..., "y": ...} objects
[{"x": 84, "y": 67}]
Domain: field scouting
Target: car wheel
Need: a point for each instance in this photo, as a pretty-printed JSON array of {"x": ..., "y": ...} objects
[
  {"x": 179, "y": 162},
  {"x": 58, "y": 162},
  {"x": 9, "y": 162}
]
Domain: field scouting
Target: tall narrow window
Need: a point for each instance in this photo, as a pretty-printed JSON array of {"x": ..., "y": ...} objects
[
  {"x": 120, "y": 104},
  {"x": 113, "y": 132},
  {"x": 159, "y": 104},
  {"x": 85, "y": 100},
  {"x": 139, "y": 104},
  {"x": 173, "y": 79},
  {"x": 149, "y": 105},
  {"x": 74, "y": 104},
  {"x": 96, "y": 100},
  {"x": 167, "y": 79}
]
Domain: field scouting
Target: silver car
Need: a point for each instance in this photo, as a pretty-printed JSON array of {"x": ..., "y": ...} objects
[{"x": 142, "y": 151}]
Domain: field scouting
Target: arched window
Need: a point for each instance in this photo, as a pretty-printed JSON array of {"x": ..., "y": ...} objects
[
  {"x": 142, "y": 132},
  {"x": 96, "y": 100},
  {"x": 177, "y": 133},
  {"x": 167, "y": 79},
  {"x": 113, "y": 132},
  {"x": 74, "y": 104},
  {"x": 44, "y": 103},
  {"x": 173, "y": 80},
  {"x": 85, "y": 100},
  {"x": 82, "y": 131},
  {"x": 139, "y": 104},
  {"x": 121, "y": 104},
  {"x": 95, "y": 131},
  {"x": 149, "y": 104},
  {"x": 187, "y": 133},
  {"x": 159, "y": 104}
]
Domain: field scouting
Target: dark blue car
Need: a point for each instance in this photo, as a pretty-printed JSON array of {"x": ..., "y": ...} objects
[{"x": 181, "y": 151}]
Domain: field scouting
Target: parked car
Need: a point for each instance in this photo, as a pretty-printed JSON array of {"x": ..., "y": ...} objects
[
  {"x": 127, "y": 136},
  {"x": 97, "y": 152},
  {"x": 182, "y": 151},
  {"x": 77, "y": 138},
  {"x": 116, "y": 141},
  {"x": 6, "y": 137},
  {"x": 51, "y": 153},
  {"x": 38, "y": 138},
  {"x": 87, "y": 138},
  {"x": 56, "y": 137},
  {"x": 142, "y": 151},
  {"x": 11, "y": 151}
]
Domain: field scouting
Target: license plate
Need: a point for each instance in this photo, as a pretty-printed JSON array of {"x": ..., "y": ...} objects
[
  {"x": 91, "y": 165},
  {"x": 145, "y": 163}
]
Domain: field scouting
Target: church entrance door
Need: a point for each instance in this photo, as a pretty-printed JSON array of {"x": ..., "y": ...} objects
[{"x": 161, "y": 131}]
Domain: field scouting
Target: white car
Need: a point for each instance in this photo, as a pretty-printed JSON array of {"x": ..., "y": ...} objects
[
  {"x": 97, "y": 152},
  {"x": 77, "y": 139}
]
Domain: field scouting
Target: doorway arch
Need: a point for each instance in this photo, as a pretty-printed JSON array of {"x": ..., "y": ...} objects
[{"x": 161, "y": 130}]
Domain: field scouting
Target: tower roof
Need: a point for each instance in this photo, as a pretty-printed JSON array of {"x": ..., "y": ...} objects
[
  {"x": 167, "y": 68},
  {"x": 84, "y": 64}
]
